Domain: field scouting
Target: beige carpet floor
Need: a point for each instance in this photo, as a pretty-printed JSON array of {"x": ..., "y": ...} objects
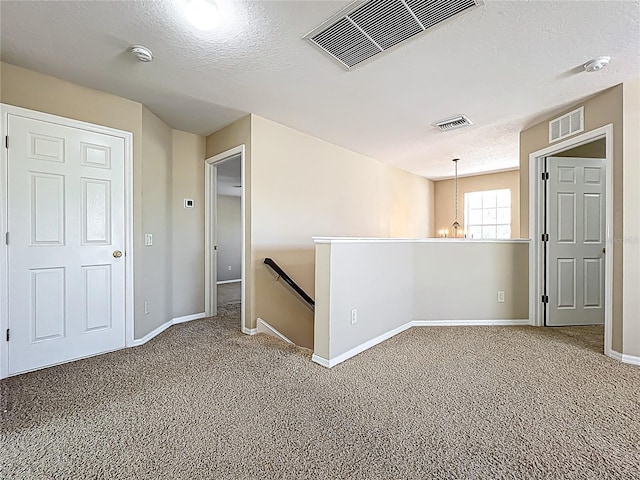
[
  {"x": 203, "y": 401},
  {"x": 229, "y": 293}
]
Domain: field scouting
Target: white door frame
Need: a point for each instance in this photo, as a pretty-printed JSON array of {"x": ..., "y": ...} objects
[
  {"x": 6, "y": 111},
  {"x": 210, "y": 235},
  {"x": 535, "y": 226}
]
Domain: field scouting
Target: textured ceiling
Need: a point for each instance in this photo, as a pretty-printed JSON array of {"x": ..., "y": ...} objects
[{"x": 505, "y": 65}]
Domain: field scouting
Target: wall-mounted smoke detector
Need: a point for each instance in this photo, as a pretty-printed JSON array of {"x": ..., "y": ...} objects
[
  {"x": 366, "y": 29},
  {"x": 142, "y": 53},
  {"x": 597, "y": 64},
  {"x": 452, "y": 123}
]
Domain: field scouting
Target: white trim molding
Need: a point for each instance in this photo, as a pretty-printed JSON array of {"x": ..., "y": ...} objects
[
  {"x": 329, "y": 363},
  {"x": 264, "y": 327},
  {"x": 210, "y": 274},
  {"x": 127, "y": 137},
  {"x": 471, "y": 323},
  {"x": 621, "y": 357},
  {"x": 535, "y": 226},
  {"x": 361, "y": 348},
  {"x": 174, "y": 321},
  {"x": 249, "y": 331},
  {"x": 321, "y": 361},
  {"x": 188, "y": 318},
  {"x": 153, "y": 333},
  {"x": 323, "y": 240}
]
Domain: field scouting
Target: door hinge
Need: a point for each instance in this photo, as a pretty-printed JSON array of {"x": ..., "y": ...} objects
[
  {"x": 7, "y": 334},
  {"x": 545, "y": 298},
  {"x": 545, "y": 237},
  {"x": 545, "y": 176},
  {"x": 6, "y": 238},
  {"x": 6, "y": 141}
]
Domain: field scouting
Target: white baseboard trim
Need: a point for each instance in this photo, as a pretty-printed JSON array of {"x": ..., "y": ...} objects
[
  {"x": 222, "y": 282},
  {"x": 188, "y": 318},
  {"x": 321, "y": 360},
  {"x": 613, "y": 354},
  {"x": 264, "y": 327},
  {"x": 361, "y": 348},
  {"x": 621, "y": 357},
  {"x": 470, "y": 323},
  {"x": 157, "y": 331},
  {"x": 249, "y": 331},
  {"x": 414, "y": 323}
]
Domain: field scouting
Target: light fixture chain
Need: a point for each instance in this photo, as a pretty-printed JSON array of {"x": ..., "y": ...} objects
[{"x": 456, "y": 163}]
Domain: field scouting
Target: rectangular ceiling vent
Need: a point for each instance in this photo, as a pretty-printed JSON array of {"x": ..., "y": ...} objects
[
  {"x": 366, "y": 29},
  {"x": 453, "y": 123},
  {"x": 566, "y": 125}
]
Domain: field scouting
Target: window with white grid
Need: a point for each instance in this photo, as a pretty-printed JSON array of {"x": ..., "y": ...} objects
[{"x": 487, "y": 214}]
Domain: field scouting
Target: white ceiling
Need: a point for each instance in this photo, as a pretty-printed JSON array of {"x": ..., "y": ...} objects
[{"x": 506, "y": 65}]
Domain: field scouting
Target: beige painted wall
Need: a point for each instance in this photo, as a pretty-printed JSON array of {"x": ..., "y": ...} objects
[
  {"x": 444, "y": 198},
  {"x": 187, "y": 223},
  {"x": 229, "y": 238},
  {"x": 596, "y": 149},
  {"x": 376, "y": 278},
  {"x": 322, "y": 294},
  {"x": 156, "y": 219},
  {"x": 602, "y": 109},
  {"x": 303, "y": 187},
  {"x": 445, "y": 288},
  {"x": 394, "y": 282},
  {"x": 236, "y": 134},
  {"x": 631, "y": 219},
  {"x": 152, "y": 176}
]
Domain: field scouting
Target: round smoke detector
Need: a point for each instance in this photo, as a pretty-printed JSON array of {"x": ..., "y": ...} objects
[
  {"x": 141, "y": 52},
  {"x": 597, "y": 64}
]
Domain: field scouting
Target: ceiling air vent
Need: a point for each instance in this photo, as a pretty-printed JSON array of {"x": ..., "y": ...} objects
[
  {"x": 566, "y": 125},
  {"x": 453, "y": 123},
  {"x": 366, "y": 29}
]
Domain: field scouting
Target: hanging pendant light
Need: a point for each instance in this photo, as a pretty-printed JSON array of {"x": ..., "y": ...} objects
[{"x": 456, "y": 228}]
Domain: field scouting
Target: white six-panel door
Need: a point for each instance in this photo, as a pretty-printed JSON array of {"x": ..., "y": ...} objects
[
  {"x": 576, "y": 226},
  {"x": 66, "y": 278}
]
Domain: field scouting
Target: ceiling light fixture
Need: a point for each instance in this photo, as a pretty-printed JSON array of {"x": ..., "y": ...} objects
[
  {"x": 142, "y": 53},
  {"x": 203, "y": 14},
  {"x": 455, "y": 227},
  {"x": 455, "y": 230},
  {"x": 597, "y": 64}
]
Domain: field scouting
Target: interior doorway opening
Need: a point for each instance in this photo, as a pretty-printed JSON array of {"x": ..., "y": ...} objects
[
  {"x": 225, "y": 232},
  {"x": 228, "y": 231},
  {"x": 571, "y": 211},
  {"x": 574, "y": 247}
]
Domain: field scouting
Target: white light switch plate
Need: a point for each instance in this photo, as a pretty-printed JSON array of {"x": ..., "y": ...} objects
[{"x": 148, "y": 239}]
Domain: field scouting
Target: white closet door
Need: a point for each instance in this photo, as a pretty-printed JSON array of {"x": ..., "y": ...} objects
[
  {"x": 576, "y": 226},
  {"x": 66, "y": 225}
]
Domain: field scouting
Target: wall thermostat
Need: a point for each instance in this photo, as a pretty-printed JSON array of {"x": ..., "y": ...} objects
[{"x": 188, "y": 203}]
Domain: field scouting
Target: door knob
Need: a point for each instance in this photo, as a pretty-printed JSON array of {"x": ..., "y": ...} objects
[
  {"x": 117, "y": 254},
  {"x": 604, "y": 250}
]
